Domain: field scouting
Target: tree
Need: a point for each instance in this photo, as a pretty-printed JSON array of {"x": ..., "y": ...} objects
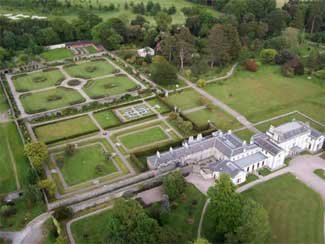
[
  {"x": 184, "y": 46},
  {"x": 268, "y": 55},
  {"x": 63, "y": 213},
  {"x": 37, "y": 152},
  {"x": 201, "y": 83},
  {"x": 106, "y": 35},
  {"x": 276, "y": 21},
  {"x": 253, "y": 226},
  {"x": 162, "y": 72},
  {"x": 48, "y": 186},
  {"x": 129, "y": 223},
  {"x": 163, "y": 21},
  {"x": 70, "y": 149},
  {"x": 218, "y": 46},
  {"x": 251, "y": 65},
  {"x": 174, "y": 185}
]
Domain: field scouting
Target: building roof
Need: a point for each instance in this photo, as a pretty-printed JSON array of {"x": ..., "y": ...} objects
[
  {"x": 264, "y": 142},
  {"x": 315, "y": 133},
  {"x": 249, "y": 160},
  {"x": 227, "y": 143},
  {"x": 224, "y": 166},
  {"x": 290, "y": 130}
]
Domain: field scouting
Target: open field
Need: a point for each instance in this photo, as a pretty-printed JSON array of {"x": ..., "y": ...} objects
[
  {"x": 86, "y": 163},
  {"x": 143, "y": 137},
  {"x": 10, "y": 140},
  {"x": 106, "y": 118},
  {"x": 66, "y": 129},
  {"x": 88, "y": 70},
  {"x": 296, "y": 212},
  {"x": 267, "y": 93},
  {"x": 221, "y": 119},
  {"x": 110, "y": 86},
  {"x": 57, "y": 54},
  {"x": 38, "y": 80},
  {"x": 186, "y": 99},
  {"x": 50, "y": 99}
]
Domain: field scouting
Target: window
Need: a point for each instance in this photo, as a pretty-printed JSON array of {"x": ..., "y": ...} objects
[{"x": 247, "y": 169}]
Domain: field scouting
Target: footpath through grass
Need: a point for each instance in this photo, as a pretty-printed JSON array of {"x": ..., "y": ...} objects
[{"x": 266, "y": 93}]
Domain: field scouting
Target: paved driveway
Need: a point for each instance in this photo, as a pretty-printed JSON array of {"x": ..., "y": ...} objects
[{"x": 303, "y": 167}]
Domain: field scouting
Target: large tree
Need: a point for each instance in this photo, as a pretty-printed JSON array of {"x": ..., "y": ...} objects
[
  {"x": 38, "y": 153},
  {"x": 163, "y": 72},
  {"x": 184, "y": 46},
  {"x": 174, "y": 185}
]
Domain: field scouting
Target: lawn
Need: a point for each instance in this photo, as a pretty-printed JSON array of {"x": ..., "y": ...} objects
[
  {"x": 143, "y": 137},
  {"x": 185, "y": 214},
  {"x": 10, "y": 140},
  {"x": 107, "y": 119},
  {"x": 88, "y": 162},
  {"x": 158, "y": 105},
  {"x": 245, "y": 134},
  {"x": 65, "y": 129},
  {"x": 109, "y": 86},
  {"x": 4, "y": 106},
  {"x": 91, "y": 229},
  {"x": 50, "y": 99},
  {"x": 267, "y": 93},
  {"x": 88, "y": 70},
  {"x": 221, "y": 119},
  {"x": 91, "y": 49},
  {"x": 186, "y": 99},
  {"x": 57, "y": 54},
  {"x": 38, "y": 80},
  {"x": 320, "y": 173}
]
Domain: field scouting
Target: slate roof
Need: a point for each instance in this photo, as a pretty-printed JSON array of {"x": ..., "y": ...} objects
[
  {"x": 315, "y": 133},
  {"x": 224, "y": 166},
  {"x": 249, "y": 160},
  {"x": 264, "y": 142},
  {"x": 291, "y": 130},
  {"x": 228, "y": 144}
]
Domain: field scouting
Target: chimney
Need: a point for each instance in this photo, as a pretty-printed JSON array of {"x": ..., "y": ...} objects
[
  {"x": 229, "y": 132},
  {"x": 199, "y": 137},
  {"x": 171, "y": 149},
  {"x": 190, "y": 139},
  {"x": 158, "y": 154}
]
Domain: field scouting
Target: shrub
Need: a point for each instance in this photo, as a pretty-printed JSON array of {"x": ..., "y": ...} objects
[
  {"x": 91, "y": 69},
  {"x": 63, "y": 213},
  {"x": 53, "y": 98},
  {"x": 268, "y": 55},
  {"x": 251, "y": 65},
  {"x": 320, "y": 74},
  {"x": 99, "y": 169},
  {"x": 60, "y": 160},
  {"x": 74, "y": 82},
  {"x": 39, "y": 79},
  {"x": 70, "y": 149},
  {"x": 287, "y": 70}
]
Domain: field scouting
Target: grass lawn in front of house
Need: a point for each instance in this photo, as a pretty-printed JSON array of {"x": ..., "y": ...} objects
[
  {"x": 184, "y": 99},
  {"x": 56, "y": 54}
]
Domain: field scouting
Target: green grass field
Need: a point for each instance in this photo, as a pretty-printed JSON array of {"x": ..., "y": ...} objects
[
  {"x": 267, "y": 93},
  {"x": 66, "y": 129},
  {"x": 158, "y": 105},
  {"x": 91, "y": 49},
  {"x": 50, "y": 99},
  {"x": 91, "y": 229},
  {"x": 88, "y": 70},
  {"x": 4, "y": 106},
  {"x": 296, "y": 213},
  {"x": 38, "y": 80},
  {"x": 106, "y": 118},
  {"x": 144, "y": 137},
  {"x": 109, "y": 86},
  {"x": 85, "y": 164},
  {"x": 221, "y": 119},
  {"x": 10, "y": 140},
  {"x": 57, "y": 54},
  {"x": 187, "y": 99}
]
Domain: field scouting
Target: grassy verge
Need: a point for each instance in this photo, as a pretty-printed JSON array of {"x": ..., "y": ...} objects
[{"x": 320, "y": 173}]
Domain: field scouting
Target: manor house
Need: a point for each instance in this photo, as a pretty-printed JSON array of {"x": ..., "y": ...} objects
[{"x": 226, "y": 153}]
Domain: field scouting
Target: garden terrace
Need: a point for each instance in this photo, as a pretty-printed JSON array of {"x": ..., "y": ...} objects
[
  {"x": 38, "y": 80},
  {"x": 184, "y": 99},
  {"x": 158, "y": 105},
  {"x": 296, "y": 213},
  {"x": 64, "y": 130},
  {"x": 4, "y": 106},
  {"x": 89, "y": 70},
  {"x": 50, "y": 99},
  {"x": 266, "y": 93},
  {"x": 144, "y": 137},
  {"x": 110, "y": 86},
  {"x": 90, "y": 162},
  {"x": 107, "y": 118},
  {"x": 57, "y": 54},
  {"x": 80, "y": 170}
]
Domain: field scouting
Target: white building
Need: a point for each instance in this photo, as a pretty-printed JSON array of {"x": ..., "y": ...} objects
[
  {"x": 226, "y": 153},
  {"x": 144, "y": 52}
]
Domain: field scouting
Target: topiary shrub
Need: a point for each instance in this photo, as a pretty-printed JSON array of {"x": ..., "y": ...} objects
[
  {"x": 53, "y": 98},
  {"x": 251, "y": 65},
  {"x": 39, "y": 79},
  {"x": 74, "y": 82}
]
